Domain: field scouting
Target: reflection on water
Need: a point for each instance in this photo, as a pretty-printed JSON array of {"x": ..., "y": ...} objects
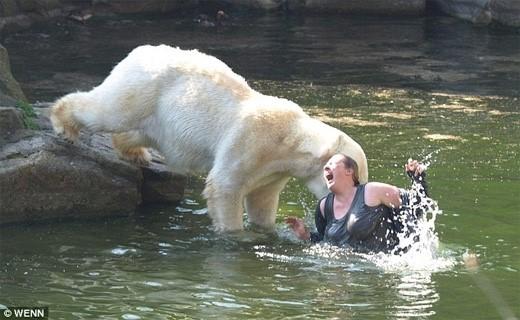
[
  {"x": 170, "y": 264},
  {"x": 140, "y": 268},
  {"x": 360, "y": 75},
  {"x": 417, "y": 296},
  {"x": 406, "y": 278},
  {"x": 439, "y": 54},
  {"x": 407, "y": 293}
]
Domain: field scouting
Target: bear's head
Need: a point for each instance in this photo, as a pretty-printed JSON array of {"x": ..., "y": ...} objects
[{"x": 333, "y": 141}]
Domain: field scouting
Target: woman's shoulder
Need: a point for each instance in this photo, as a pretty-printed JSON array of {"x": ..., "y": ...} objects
[
  {"x": 377, "y": 193},
  {"x": 321, "y": 203},
  {"x": 371, "y": 187}
]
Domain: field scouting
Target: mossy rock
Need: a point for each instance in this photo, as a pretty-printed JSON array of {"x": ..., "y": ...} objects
[{"x": 8, "y": 85}]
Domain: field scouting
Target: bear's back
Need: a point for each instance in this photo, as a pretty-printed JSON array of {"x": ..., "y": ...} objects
[{"x": 153, "y": 62}]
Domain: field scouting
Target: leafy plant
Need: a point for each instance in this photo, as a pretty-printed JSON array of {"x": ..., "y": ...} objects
[{"x": 28, "y": 115}]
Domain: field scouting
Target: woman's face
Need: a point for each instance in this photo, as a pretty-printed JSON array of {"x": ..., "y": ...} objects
[{"x": 335, "y": 172}]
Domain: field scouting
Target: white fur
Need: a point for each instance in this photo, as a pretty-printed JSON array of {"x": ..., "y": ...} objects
[{"x": 204, "y": 118}]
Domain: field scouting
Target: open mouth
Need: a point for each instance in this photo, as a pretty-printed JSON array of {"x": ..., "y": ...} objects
[{"x": 329, "y": 176}]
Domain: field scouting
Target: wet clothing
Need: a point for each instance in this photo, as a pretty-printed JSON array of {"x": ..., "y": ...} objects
[{"x": 365, "y": 228}]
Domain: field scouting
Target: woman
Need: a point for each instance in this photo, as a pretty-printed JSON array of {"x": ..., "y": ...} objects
[{"x": 366, "y": 217}]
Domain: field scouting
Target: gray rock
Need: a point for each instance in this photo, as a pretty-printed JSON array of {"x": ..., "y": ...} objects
[
  {"x": 16, "y": 15},
  {"x": 256, "y": 4},
  {"x": 6, "y": 100},
  {"x": 161, "y": 185},
  {"x": 476, "y": 11},
  {"x": 384, "y": 7},
  {"x": 11, "y": 8},
  {"x": 44, "y": 177},
  {"x": 506, "y": 12},
  {"x": 10, "y": 90},
  {"x": 8, "y": 8},
  {"x": 143, "y": 6},
  {"x": 38, "y": 5},
  {"x": 10, "y": 122},
  {"x": 15, "y": 23},
  {"x": 379, "y": 7}
]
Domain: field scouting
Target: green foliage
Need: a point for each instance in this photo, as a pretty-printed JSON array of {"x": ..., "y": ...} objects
[{"x": 28, "y": 115}]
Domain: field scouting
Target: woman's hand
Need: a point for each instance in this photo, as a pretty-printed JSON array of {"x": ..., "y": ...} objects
[
  {"x": 414, "y": 168},
  {"x": 298, "y": 227}
]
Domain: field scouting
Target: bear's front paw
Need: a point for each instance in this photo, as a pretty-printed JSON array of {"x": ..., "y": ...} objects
[
  {"x": 63, "y": 123},
  {"x": 68, "y": 135}
]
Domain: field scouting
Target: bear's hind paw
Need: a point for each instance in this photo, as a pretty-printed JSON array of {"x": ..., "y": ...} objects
[{"x": 139, "y": 156}]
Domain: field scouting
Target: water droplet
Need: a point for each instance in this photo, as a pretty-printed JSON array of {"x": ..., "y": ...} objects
[
  {"x": 165, "y": 245},
  {"x": 201, "y": 211},
  {"x": 191, "y": 202},
  {"x": 144, "y": 309},
  {"x": 121, "y": 251},
  {"x": 153, "y": 284},
  {"x": 183, "y": 210}
]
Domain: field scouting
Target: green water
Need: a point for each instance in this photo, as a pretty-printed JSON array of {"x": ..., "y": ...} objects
[{"x": 433, "y": 89}]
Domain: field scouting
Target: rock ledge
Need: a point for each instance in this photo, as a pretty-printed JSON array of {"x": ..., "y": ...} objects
[{"x": 44, "y": 177}]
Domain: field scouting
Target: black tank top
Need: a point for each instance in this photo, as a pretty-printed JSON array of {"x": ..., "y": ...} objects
[{"x": 364, "y": 228}]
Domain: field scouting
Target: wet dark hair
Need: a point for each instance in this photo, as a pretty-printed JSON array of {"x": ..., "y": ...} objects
[{"x": 351, "y": 164}]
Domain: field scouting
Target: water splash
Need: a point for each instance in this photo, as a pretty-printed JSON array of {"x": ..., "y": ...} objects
[{"x": 418, "y": 248}]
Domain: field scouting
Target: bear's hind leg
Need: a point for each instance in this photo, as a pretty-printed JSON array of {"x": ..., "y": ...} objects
[
  {"x": 131, "y": 146},
  {"x": 262, "y": 204},
  {"x": 118, "y": 113}
]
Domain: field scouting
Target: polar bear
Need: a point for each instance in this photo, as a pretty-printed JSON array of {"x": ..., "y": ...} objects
[{"x": 205, "y": 118}]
